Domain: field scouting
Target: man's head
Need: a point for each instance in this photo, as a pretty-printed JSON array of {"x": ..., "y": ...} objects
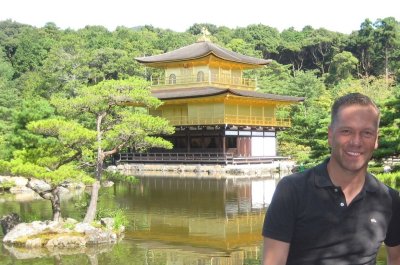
[
  {"x": 351, "y": 99},
  {"x": 353, "y": 133}
]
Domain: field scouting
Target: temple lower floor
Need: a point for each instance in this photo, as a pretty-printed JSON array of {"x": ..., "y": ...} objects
[
  {"x": 211, "y": 143},
  {"x": 243, "y": 141}
]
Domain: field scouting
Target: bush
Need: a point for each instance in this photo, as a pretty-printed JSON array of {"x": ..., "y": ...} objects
[
  {"x": 119, "y": 216},
  {"x": 5, "y": 167},
  {"x": 118, "y": 176},
  {"x": 391, "y": 179},
  {"x": 375, "y": 169}
]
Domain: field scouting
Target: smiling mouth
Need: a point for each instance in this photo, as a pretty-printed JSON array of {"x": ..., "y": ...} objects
[{"x": 353, "y": 153}]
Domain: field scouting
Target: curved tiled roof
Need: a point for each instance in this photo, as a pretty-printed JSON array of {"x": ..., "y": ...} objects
[
  {"x": 199, "y": 50},
  {"x": 213, "y": 91}
]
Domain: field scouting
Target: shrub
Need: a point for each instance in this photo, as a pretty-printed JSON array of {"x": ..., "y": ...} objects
[
  {"x": 119, "y": 216},
  {"x": 391, "y": 179},
  {"x": 5, "y": 167}
]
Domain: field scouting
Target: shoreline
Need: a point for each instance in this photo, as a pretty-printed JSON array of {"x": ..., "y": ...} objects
[{"x": 272, "y": 170}]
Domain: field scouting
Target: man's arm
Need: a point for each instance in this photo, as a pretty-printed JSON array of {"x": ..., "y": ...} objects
[
  {"x": 276, "y": 252},
  {"x": 393, "y": 255}
]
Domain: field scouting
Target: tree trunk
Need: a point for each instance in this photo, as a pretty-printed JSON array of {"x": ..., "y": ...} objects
[
  {"x": 56, "y": 204},
  {"x": 53, "y": 195},
  {"x": 92, "y": 208}
]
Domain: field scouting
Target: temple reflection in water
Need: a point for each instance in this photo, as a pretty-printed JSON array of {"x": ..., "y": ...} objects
[{"x": 197, "y": 219}]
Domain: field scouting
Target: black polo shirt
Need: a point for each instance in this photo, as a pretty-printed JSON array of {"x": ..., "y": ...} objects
[{"x": 311, "y": 214}]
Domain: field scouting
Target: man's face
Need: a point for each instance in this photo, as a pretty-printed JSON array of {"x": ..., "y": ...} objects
[{"x": 353, "y": 137}]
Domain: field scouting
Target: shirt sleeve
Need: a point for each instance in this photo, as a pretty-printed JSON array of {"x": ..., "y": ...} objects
[
  {"x": 280, "y": 217},
  {"x": 393, "y": 234}
]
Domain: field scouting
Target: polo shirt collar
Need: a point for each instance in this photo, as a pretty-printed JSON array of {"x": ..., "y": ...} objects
[{"x": 322, "y": 180}]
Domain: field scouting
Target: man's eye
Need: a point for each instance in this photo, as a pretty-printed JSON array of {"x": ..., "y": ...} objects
[{"x": 368, "y": 134}]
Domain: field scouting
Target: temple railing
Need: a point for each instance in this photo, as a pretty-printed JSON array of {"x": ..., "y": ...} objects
[
  {"x": 229, "y": 119},
  {"x": 193, "y": 158},
  {"x": 217, "y": 80}
]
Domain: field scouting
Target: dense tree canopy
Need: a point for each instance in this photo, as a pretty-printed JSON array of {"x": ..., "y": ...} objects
[{"x": 37, "y": 64}]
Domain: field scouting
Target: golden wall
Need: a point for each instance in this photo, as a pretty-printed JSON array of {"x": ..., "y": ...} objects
[{"x": 213, "y": 113}]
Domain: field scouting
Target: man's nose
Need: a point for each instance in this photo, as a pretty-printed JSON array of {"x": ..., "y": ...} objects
[{"x": 355, "y": 139}]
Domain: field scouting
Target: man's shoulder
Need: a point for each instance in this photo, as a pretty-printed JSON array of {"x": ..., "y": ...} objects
[
  {"x": 384, "y": 188},
  {"x": 395, "y": 195},
  {"x": 372, "y": 178}
]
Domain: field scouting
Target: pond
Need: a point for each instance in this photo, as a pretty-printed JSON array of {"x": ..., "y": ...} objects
[{"x": 171, "y": 221}]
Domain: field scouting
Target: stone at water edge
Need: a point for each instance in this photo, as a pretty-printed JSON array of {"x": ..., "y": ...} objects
[{"x": 8, "y": 222}]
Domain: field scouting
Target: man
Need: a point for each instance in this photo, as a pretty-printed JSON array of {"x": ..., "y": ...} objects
[{"x": 336, "y": 213}]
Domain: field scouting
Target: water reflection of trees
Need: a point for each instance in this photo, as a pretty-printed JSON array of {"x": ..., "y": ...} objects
[
  {"x": 192, "y": 196},
  {"x": 139, "y": 253},
  {"x": 220, "y": 214},
  {"x": 86, "y": 255},
  {"x": 192, "y": 221}
]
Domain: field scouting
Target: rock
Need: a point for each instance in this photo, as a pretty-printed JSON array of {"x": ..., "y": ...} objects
[
  {"x": 83, "y": 227},
  {"x": 66, "y": 242},
  {"x": 40, "y": 185},
  {"x": 27, "y": 196},
  {"x": 64, "y": 191},
  {"x": 34, "y": 243},
  {"x": 100, "y": 237},
  {"x": 107, "y": 222},
  {"x": 24, "y": 230},
  {"x": 112, "y": 168},
  {"x": 107, "y": 184},
  {"x": 21, "y": 189},
  {"x": 60, "y": 235},
  {"x": 70, "y": 221},
  {"x": 74, "y": 185},
  {"x": 387, "y": 169},
  {"x": 8, "y": 222},
  {"x": 20, "y": 181}
]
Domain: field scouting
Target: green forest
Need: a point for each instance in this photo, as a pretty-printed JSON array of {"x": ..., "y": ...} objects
[{"x": 45, "y": 73}]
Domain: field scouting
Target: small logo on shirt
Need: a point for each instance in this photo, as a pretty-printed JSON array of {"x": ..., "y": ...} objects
[{"x": 373, "y": 220}]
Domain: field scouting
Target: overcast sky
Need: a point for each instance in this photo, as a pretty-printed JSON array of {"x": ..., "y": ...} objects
[{"x": 178, "y": 15}]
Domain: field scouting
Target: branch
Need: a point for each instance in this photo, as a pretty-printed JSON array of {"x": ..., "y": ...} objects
[
  {"x": 86, "y": 164},
  {"x": 113, "y": 151},
  {"x": 116, "y": 149},
  {"x": 46, "y": 194},
  {"x": 70, "y": 159}
]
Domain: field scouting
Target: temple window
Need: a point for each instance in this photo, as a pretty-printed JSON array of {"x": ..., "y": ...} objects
[
  {"x": 231, "y": 142},
  {"x": 172, "y": 79},
  {"x": 200, "y": 76}
]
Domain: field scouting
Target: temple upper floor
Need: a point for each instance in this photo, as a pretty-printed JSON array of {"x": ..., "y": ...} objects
[
  {"x": 203, "y": 76},
  {"x": 203, "y": 64}
]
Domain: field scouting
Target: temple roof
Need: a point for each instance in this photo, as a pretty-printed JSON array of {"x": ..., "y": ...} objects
[
  {"x": 199, "y": 50},
  {"x": 213, "y": 91}
]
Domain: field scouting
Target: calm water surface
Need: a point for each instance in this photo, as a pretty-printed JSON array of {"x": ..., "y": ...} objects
[{"x": 172, "y": 221}]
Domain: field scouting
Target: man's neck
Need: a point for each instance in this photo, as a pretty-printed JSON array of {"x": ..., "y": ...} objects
[{"x": 351, "y": 182}]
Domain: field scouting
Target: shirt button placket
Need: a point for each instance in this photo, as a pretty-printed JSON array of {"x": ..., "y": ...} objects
[{"x": 339, "y": 197}]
